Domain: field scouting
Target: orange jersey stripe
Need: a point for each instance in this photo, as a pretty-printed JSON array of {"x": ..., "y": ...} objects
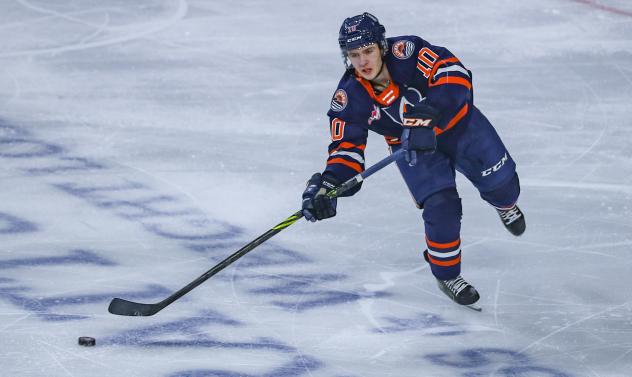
[
  {"x": 454, "y": 120},
  {"x": 439, "y": 64},
  {"x": 444, "y": 263},
  {"x": 437, "y": 245},
  {"x": 347, "y": 145},
  {"x": 452, "y": 80},
  {"x": 355, "y": 166},
  {"x": 449, "y": 79}
]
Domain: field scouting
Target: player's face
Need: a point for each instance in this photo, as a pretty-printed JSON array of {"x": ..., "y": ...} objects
[{"x": 366, "y": 60}]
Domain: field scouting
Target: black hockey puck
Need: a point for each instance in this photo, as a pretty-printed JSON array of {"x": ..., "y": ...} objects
[{"x": 87, "y": 341}]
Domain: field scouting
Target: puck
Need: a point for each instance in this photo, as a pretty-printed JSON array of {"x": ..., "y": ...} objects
[{"x": 87, "y": 341}]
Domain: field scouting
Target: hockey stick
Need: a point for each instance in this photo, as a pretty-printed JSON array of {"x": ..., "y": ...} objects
[{"x": 120, "y": 306}]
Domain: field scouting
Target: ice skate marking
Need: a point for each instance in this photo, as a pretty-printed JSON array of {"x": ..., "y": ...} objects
[
  {"x": 496, "y": 295},
  {"x": 598, "y": 102},
  {"x": 622, "y": 72},
  {"x": 53, "y": 14},
  {"x": 99, "y": 29},
  {"x": 390, "y": 277},
  {"x": 607, "y": 187},
  {"x": 15, "y": 321},
  {"x": 152, "y": 28},
  {"x": 564, "y": 328}
]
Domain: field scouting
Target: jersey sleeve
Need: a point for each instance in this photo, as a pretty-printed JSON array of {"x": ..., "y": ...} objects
[
  {"x": 448, "y": 84},
  {"x": 346, "y": 151}
]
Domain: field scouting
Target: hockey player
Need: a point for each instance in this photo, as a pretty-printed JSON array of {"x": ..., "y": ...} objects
[{"x": 419, "y": 97}]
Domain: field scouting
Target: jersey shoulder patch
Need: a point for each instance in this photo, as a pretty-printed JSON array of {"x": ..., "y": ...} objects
[
  {"x": 350, "y": 100},
  {"x": 339, "y": 100},
  {"x": 403, "y": 49}
]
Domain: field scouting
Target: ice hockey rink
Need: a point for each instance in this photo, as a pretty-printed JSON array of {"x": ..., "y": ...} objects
[{"x": 142, "y": 142}]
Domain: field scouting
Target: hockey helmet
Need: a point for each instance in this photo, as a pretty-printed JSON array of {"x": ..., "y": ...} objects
[{"x": 360, "y": 31}]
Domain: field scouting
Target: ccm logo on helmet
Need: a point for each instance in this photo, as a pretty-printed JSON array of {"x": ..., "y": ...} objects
[{"x": 416, "y": 122}]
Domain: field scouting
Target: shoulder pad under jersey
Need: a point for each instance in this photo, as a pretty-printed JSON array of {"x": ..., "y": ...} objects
[{"x": 402, "y": 57}]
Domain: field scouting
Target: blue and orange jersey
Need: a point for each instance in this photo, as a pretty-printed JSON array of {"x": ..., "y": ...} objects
[{"x": 419, "y": 72}]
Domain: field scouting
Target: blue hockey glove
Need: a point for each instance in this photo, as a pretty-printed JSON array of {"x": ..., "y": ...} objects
[
  {"x": 418, "y": 134},
  {"x": 317, "y": 205}
]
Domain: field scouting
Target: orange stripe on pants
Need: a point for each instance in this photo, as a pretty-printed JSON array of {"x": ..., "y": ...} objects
[
  {"x": 437, "y": 245},
  {"x": 444, "y": 263}
]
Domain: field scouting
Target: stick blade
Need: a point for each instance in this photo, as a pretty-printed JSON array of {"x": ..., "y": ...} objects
[{"x": 120, "y": 306}]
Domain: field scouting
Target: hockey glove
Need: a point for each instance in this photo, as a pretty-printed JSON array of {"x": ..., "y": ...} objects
[
  {"x": 316, "y": 204},
  {"x": 418, "y": 134}
]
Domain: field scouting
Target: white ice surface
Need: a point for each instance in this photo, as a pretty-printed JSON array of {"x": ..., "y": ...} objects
[{"x": 141, "y": 142}]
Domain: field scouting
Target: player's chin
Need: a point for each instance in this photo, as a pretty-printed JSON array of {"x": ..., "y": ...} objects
[{"x": 368, "y": 75}]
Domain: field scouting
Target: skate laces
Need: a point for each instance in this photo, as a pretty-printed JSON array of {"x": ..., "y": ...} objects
[
  {"x": 456, "y": 285},
  {"x": 510, "y": 215}
]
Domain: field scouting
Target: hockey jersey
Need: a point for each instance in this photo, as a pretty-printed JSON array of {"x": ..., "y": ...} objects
[{"x": 419, "y": 72}]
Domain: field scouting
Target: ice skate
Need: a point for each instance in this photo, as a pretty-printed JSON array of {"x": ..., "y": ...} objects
[
  {"x": 460, "y": 291},
  {"x": 513, "y": 219}
]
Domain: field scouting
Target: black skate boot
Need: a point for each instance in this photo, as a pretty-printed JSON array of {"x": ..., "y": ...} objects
[
  {"x": 460, "y": 291},
  {"x": 513, "y": 219}
]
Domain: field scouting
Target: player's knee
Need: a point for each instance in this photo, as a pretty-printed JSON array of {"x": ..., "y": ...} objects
[
  {"x": 443, "y": 208},
  {"x": 504, "y": 195}
]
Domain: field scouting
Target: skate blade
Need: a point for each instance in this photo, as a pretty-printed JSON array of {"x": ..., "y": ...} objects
[{"x": 474, "y": 307}]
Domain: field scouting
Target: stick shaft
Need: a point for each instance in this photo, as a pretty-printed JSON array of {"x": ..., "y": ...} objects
[{"x": 123, "y": 307}]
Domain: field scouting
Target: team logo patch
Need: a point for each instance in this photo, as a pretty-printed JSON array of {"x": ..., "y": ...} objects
[
  {"x": 375, "y": 114},
  {"x": 339, "y": 101},
  {"x": 403, "y": 49}
]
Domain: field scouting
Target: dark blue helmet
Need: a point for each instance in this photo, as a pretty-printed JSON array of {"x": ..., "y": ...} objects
[{"x": 359, "y": 31}]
